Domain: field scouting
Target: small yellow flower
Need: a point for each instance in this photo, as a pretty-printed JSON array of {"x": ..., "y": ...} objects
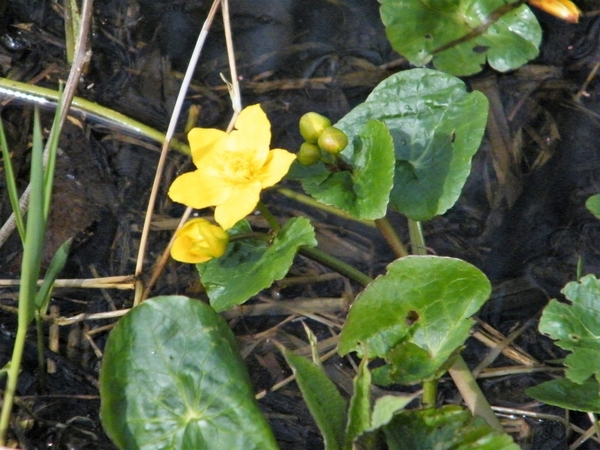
[
  {"x": 198, "y": 241},
  {"x": 563, "y": 9},
  {"x": 232, "y": 168}
]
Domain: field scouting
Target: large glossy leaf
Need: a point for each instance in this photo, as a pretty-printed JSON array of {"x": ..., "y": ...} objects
[
  {"x": 436, "y": 127},
  {"x": 420, "y": 309},
  {"x": 568, "y": 394},
  {"x": 446, "y": 428},
  {"x": 460, "y": 35},
  {"x": 172, "y": 378},
  {"x": 251, "y": 265},
  {"x": 325, "y": 403},
  {"x": 363, "y": 189},
  {"x": 577, "y": 327}
]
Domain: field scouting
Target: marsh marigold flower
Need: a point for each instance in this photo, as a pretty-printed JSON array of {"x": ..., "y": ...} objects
[
  {"x": 232, "y": 168},
  {"x": 198, "y": 241},
  {"x": 563, "y": 9}
]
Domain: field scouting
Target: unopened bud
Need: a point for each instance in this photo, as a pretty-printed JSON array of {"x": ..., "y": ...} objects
[
  {"x": 312, "y": 125},
  {"x": 333, "y": 140}
]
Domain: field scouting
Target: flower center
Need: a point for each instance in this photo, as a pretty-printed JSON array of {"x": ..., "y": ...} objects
[{"x": 238, "y": 168}]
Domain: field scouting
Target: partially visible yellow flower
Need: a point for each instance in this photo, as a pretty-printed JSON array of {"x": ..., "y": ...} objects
[
  {"x": 563, "y": 9},
  {"x": 232, "y": 168},
  {"x": 198, "y": 241}
]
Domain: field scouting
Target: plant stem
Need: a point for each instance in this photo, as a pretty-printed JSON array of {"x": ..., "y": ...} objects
[
  {"x": 333, "y": 263},
  {"x": 429, "y": 394},
  {"x": 30, "y": 269},
  {"x": 417, "y": 241},
  {"x": 385, "y": 228},
  {"x": 44, "y": 97},
  {"x": 471, "y": 393},
  {"x": 460, "y": 373},
  {"x": 307, "y": 200},
  {"x": 268, "y": 216}
]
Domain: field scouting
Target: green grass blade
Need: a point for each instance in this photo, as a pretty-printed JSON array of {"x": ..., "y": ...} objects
[
  {"x": 51, "y": 164},
  {"x": 11, "y": 184}
]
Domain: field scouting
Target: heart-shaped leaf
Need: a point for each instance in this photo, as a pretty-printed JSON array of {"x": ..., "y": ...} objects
[
  {"x": 420, "y": 309},
  {"x": 436, "y": 127},
  {"x": 172, "y": 378}
]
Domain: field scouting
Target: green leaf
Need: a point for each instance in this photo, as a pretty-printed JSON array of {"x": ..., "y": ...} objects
[
  {"x": 387, "y": 406},
  {"x": 56, "y": 266},
  {"x": 576, "y": 327},
  {"x": 569, "y": 395},
  {"x": 459, "y": 35},
  {"x": 364, "y": 191},
  {"x": 449, "y": 427},
  {"x": 420, "y": 308},
  {"x": 593, "y": 205},
  {"x": 251, "y": 265},
  {"x": 436, "y": 127},
  {"x": 359, "y": 412},
  {"x": 325, "y": 403},
  {"x": 172, "y": 379}
]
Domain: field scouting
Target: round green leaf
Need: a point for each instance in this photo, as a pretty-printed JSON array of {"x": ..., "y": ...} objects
[
  {"x": 423, "y": 303},
  {"x": 459, "y": 35},
  {"x": 172, "y": 378},
  {"x": 436, "y": 127},
  {"x": 251, "y": 265}
]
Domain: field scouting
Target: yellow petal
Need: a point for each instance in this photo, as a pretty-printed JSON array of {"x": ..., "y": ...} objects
[
  {"x": 180, "y": 251},
  {"x": 563, "y": 9},
  {"x": 277, "y": 165},
  {"x": 214, "y": 238},
  {"x": 241, "y": 202},
  {"x": 198, "y": 241},
  {"x": 199, "y": 190},
  {"x": 255, "y": 127},
  {"x": 203, "y": 140}
]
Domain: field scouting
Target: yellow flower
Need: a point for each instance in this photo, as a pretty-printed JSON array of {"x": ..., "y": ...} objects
[
  {"x": 563, "y": 9},
  {"x": 198, "y": 241},
  {"x": 232, "y": 168}
]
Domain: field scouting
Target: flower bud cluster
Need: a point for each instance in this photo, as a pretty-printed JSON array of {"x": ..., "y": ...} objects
[{"x": 319, "y": 136}]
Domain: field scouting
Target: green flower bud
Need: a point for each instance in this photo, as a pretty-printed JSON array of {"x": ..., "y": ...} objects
[
  {"x": 333, "y": 140},
  {"x": 308, "y": 154},
  {"x": 312, "y": 125}
]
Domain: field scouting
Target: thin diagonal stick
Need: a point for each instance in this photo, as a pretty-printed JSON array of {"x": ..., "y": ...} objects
[
  {"x": 236, "y": 99},
  {"x": 165, "y": 148},
  {"x": 81, "y": 57},
  {"x": 236, "y": 105}
]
